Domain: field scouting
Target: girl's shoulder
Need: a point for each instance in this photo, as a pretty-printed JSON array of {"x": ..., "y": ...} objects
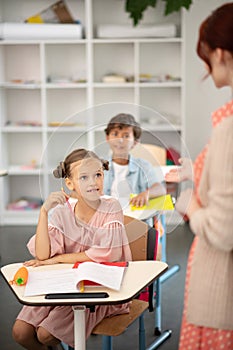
[{"x": 110, "y": 203}]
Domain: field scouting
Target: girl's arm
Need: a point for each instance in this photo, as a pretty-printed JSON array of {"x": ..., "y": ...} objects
[
  {"x": 42, "y": 242},
  {"x": 69, "y": 258}
]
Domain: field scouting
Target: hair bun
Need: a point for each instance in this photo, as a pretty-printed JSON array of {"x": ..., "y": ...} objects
[
  {"x": 59, "y": 172},
  {"x": 105, "y": 164}
]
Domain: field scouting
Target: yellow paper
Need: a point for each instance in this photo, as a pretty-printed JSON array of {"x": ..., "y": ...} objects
[{"x": 158, "y": 203}]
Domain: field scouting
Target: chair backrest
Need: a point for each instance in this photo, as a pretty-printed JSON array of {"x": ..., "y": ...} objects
[
  {"x": 137, "y": 233},
  {"x": 143, "y": 244},
  {"x": 156, "y": 155}
]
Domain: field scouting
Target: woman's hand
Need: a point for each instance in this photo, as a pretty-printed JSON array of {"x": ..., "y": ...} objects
[
  {"x": 54, "y": 199},
  {"x": 183, "y": 173},
  {"x": 187, "y": 203}
]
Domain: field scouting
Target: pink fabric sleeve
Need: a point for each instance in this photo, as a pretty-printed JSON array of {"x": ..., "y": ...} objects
[
  {"x": 110, "y": 244},
  {"x": 56, "y": 242}
]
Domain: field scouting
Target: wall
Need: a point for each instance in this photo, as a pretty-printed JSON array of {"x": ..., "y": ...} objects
[{"x": 202, "y": 97}]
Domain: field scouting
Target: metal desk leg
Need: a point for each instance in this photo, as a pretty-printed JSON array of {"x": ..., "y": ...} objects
[
  {"x": 164, "y": 336},
  {"x": 161, "y": 336},
  {"x": 79, "y": 328},
  {"x": 173, "y": 269},
  {"x": 157, "y": 330},
  {"x": 169, "y": 273}
]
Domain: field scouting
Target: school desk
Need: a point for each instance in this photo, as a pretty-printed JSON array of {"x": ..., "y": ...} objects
[
  {"x": 138, "y": 275},
  {"x": 144, "y": 215}
]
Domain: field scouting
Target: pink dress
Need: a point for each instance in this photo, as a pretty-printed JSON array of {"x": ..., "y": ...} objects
[
  {"x": 103, "y": 239},
  {"x": 193, "y": 337}
]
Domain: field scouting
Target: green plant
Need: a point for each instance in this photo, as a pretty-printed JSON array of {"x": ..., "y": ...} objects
[{"x": 137, "y": 7}]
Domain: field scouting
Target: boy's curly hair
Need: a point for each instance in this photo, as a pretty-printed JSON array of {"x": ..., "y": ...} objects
[{"x": 123, "y": 120}]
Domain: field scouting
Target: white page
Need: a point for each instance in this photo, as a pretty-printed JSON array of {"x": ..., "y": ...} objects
[
  {"x": 51, "y": 281},
  {"x": 66, "y": 280},
  {"x": 108, "y": 276}
]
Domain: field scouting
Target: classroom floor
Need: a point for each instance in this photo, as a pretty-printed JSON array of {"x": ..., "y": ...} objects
[{"x": 13, "y": 249}]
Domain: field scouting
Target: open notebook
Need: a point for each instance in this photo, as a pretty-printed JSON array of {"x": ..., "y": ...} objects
[{"x": 68, "y": 280}]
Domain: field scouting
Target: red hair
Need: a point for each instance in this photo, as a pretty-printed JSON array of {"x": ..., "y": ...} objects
[{"x": 216, "y": 31}]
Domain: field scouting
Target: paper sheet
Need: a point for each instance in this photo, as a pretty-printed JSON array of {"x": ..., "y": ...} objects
[
  {"x": 158, "y": 203},
  {"x": 52, "y": 281}
]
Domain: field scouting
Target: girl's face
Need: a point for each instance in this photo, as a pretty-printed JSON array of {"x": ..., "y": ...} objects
[
  {"x": 87, "y": 179},
  {"x": 121, "y": 141}
]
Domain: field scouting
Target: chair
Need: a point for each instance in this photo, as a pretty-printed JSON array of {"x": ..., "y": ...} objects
[
  {"x": 156, "y": 155},
  {"x": 142, "y": 244}
]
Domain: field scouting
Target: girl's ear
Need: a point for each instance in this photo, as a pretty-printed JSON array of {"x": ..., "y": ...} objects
[{"x": 69, "y": 184}]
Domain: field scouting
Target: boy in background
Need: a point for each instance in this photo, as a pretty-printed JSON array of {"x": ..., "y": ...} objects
[{"x": 129, "y": 175}]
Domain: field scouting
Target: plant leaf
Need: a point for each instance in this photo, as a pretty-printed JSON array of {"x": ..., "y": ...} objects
[
  {"x": 175, "y": 5},
  {"x": 137, "y": 7}
]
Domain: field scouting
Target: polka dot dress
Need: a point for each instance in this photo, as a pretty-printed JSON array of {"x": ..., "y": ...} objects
[{"x": 193, "y": 337}]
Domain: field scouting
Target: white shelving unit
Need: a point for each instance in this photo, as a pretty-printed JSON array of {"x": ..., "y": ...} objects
[{"x": 35, "y": 95}]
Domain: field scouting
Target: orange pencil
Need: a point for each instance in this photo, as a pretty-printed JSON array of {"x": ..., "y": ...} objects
[
  {"x": 81, "y": 286},
  {"x": 67, "y": 199}
]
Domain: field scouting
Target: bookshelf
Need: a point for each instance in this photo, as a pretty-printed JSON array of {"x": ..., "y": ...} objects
[{"x": 53, "y": 98}]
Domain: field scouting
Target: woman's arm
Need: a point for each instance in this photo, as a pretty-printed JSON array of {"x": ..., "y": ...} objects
[
  {"x": 182, "y": 173},
  {"x": 214, "y": 221}
]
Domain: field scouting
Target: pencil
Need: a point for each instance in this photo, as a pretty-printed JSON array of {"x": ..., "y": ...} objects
[
  {"x": 67, "y": 200},
  {"x": 81, "y": 286}
]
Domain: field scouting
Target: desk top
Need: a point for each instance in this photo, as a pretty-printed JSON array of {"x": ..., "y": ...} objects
[
  {"x": 138, "y": 275},
  {"x": 143, "y": 214}
]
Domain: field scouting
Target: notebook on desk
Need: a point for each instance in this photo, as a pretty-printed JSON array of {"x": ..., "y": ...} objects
[
  {"x": 44, "y": 281},
  {"x": 158, "y": 203}
]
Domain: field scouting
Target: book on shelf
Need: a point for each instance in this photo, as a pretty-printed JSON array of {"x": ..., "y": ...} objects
[{"x": 71, "y": 280}]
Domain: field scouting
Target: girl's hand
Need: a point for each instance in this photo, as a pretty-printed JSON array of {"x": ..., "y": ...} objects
[
  {"x": 185, "y": 172},
  {"x": 187, "y": 203},
  {"x": 36, "y": 262},
  {"x": 140, "y": 200},
  {"x": 54, "y": 199}
]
